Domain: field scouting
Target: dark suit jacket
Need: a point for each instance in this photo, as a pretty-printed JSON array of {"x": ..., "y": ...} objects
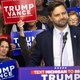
[{"x": 44, "y": 47}]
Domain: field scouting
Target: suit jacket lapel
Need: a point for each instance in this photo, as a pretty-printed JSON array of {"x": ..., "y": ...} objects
[
  {"x": 74, "y": 43},
  {"x": 50, "y": 46}
]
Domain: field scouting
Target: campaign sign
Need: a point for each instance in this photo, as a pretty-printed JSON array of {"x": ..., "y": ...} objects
[
  {"x": 49, "y": 73},
  {"x": 30, "y": 36},
  {"x": 77, "y": 9},
  {"x": 15, "y": 10},
  {"x": 8, "y": 70}
]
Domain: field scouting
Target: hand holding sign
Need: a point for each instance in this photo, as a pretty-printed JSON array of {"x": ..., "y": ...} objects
[{"x": 20, "y": 25}]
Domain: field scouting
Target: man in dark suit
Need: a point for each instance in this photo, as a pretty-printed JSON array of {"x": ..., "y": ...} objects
[{"x": 48, "y": 42}]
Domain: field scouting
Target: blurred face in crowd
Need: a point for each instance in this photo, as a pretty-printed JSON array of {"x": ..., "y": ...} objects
[
  {"x": 0, "y": 9},
  {"x": 32, "y": 23},
  {"x": 1, "y": 15},
  {"x": 1, "y": 20},
  {"x": 73, "y": 20},
  {"x": 59, "y": 17},
  {"x": 4, "y": 48},
  {"x": 39, "y": 2},
  {"x": 61, "y": 0}
]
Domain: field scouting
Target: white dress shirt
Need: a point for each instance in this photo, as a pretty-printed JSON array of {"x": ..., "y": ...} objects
[{"x": 56, "y": 47}]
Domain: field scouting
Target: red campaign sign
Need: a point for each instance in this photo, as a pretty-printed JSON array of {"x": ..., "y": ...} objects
[{"x": 15, "y": 10}]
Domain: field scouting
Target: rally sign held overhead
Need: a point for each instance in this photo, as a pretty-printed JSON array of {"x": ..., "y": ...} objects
[
  {"x": 15, "y": 10},
  {"x": 30, "y": 36}
]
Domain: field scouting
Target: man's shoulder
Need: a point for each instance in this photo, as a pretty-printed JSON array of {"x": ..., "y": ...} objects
[
  {"x": 44, "y": 35},
  {"x": 75, "y": 29},
  {"x": 45, "y": 32}
]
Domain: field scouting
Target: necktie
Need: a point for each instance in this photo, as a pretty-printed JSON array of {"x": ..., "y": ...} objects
[
  {"x": 63, "y": 52},
  {"x": 61, "y": 40}
]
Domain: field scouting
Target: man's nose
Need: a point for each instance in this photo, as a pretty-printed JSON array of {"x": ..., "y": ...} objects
[{"x": 61, "y": 16}]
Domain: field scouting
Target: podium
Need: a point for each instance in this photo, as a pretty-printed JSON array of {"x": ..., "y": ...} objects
[
  {"x": 9, "y": 71},
  {"x": 49, "y": 73}
]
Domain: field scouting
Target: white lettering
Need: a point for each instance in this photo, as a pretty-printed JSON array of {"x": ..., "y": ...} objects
[
  {"x": 51, "y": 77},
  {"x": 44, "y": 77},
  {"x": 16, "y": 40},
  {"x": 31, "y": 6},
  {"x": 67, "y": 77},
  {"x": 76, "y": 76}
]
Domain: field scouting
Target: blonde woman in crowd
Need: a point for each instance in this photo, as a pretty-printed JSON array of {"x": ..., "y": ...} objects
[{"x": 73, "y": 18}]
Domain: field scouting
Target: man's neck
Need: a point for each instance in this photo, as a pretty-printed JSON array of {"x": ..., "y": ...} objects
[{"x": 61, "y": 28}]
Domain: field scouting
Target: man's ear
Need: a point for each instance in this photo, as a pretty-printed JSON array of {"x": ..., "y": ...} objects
[{"x": 50, "y": 18}]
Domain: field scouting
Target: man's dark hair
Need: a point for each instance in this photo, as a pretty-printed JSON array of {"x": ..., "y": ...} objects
[{"x": 53, "y": 5}]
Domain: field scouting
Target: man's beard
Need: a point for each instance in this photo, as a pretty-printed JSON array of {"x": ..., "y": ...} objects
[{"x": 61, "y": 25}]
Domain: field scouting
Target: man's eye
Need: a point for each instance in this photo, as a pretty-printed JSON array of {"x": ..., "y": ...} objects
[
  {"x": 64, "y": 13},
  {"x": 57, "y": 15}
]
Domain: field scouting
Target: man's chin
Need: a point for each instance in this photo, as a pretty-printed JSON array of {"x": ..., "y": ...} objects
[{"x": 62, "y": 26}]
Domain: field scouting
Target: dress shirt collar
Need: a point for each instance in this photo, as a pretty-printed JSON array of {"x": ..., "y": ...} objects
[{"x": 65, "y": 30}]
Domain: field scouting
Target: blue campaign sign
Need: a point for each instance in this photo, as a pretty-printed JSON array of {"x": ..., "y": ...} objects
[
  {"x": 30, "y": 35},
  {"x": 49, "y": 73},
  {"x": 8, "y": 70},
  {"x": 77, "y": 9}
]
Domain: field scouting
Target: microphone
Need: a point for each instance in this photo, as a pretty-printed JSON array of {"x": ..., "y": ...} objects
[
  {"x": 64, "y": 42},
  {"x": 65, "y": 37}
]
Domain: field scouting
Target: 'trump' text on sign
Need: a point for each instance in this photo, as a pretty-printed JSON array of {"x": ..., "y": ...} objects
[{"x": 15, "y": 10}]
